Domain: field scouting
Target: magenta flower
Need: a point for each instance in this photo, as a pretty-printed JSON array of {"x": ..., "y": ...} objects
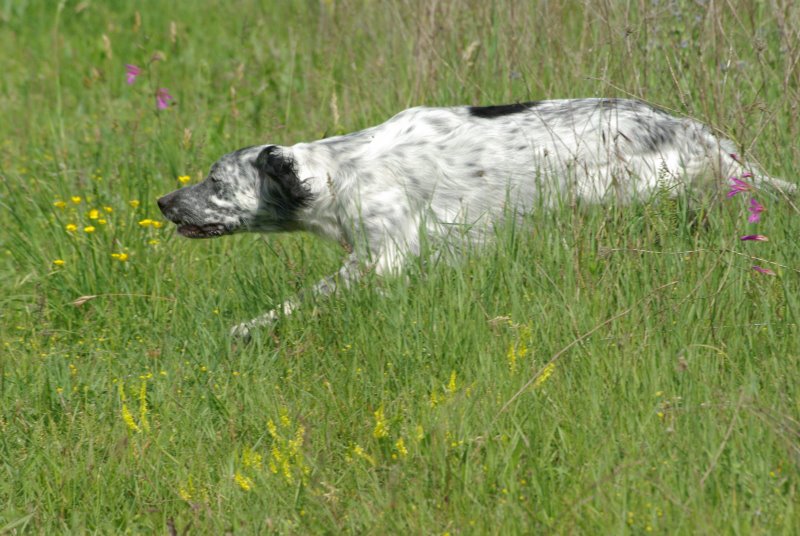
[
  {"x": 739, "y": 186},
  {"x": 131, "y": 72},
  {"x": 755, "y": 209},
  {"x": 162, "y": 98},
  {"x": 765, "y": 271},
  {"x": 756, "y": 237}
]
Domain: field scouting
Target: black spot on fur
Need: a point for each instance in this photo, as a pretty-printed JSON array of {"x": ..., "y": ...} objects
[
  {"x": 281, "y": 187},
  {"x": 655, "y": 135},
  {"x": 490, "y": 112},
  {"x": 612, "y": 103}
]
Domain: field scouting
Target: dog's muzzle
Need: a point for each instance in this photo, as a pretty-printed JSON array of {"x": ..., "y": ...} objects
[{"x": 170, "y": 207}]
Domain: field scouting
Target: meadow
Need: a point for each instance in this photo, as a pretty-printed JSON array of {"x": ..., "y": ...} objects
[{"x": 596, "y": 370}]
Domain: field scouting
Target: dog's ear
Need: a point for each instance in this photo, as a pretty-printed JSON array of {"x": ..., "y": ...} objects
[{"x": 279, "y": 177}]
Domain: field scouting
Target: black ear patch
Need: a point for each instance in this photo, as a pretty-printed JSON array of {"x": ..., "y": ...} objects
[{"x": 281, "y": 187}]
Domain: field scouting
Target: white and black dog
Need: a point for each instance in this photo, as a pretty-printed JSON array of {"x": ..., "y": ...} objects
[{"x": 441, "y": 171}]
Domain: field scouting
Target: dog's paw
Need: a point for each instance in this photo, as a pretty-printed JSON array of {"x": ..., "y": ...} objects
[
  {"x": 241, "y": 332},
  {"x": 244, "y": 331}
]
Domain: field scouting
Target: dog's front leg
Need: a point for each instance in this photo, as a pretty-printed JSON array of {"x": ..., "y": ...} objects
[{"x": 347, "y": 274}]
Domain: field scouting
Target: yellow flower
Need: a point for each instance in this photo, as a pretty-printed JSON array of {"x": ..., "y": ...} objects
[
  {"x": 157, "y": 224},
  {"x": 273, "y": 430},
  {"x": 59, "y": 262},
  {"x": 76, "y": 199},
  {"x": 186, "y": 491},
  {"x": 251, "y": 458},
  {"x": 134, "y": 203},
  {"x": 122, "y": 257},
  {"x": 128, "y": 418},
  {"x": 71, "y": 227},
  {"x": 88, "y": 229},
  {"x": 245, "y": 483},
  {"x": 102, "y": 221},
  {"x": 548, "y": 370},
  {"x": 400, "y": 446},
  {"x": 147, "y": 222},
  {"x": 59, "y": 204},
  {"x": 153, "y": 242},
  {"x": 143, "y": 407},
  {"x": 381, "y": 426},
  {"x": 94, "y": 214},
  {"x": 361, "y": 453},
  {"x": 286, "y": 422},
  {"x": 108, "y": 209},
  {"x": 183, "y": 179},
  {"x": 452, "y": 387}
]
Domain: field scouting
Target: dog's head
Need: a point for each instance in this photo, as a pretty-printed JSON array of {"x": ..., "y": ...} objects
[{"x": 252, "y": 189}]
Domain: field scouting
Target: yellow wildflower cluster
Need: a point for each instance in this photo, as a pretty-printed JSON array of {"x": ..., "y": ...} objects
[
  {"x": 198, "y": 493},
  {"x": 147, "y": 222},
  {"x": 244, "y": 482},
  {"x": 187, "y": 491},
  {"x": 400, "y": 447},
  {"x": 127, "y": 416},
  {"x": 183, "y": 179},
  {"x": 251, "y": 458},
  {"x": 452, "y": 386},
  {"x": 96, "y": 218},
  {"x": 545, "y": 375},
  {"x": 286, "y": 455},
  {"x": 518, "y": 349},
  {"x": 449, "y": 391},
  {"x": 381, "y": 429},
  {"x": 359, "y": 452}
]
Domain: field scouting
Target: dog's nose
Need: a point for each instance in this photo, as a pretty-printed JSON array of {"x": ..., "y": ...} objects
[{"x": 165, "y": 203}]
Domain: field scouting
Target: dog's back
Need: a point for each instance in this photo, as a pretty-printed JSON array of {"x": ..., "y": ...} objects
[{"x": 458, "y": 166}]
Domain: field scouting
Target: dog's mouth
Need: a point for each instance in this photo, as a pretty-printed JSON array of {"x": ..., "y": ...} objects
[{"x": 210, "y": 230}]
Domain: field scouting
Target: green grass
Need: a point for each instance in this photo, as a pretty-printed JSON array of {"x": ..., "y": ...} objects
[{"x": 672, "y": 405}]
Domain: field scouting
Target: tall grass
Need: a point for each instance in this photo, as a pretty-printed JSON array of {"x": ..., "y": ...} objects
[{"x": 595, "y": 370}]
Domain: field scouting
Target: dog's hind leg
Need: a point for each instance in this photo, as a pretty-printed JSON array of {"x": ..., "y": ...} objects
[{"x": 347, "y": 274}]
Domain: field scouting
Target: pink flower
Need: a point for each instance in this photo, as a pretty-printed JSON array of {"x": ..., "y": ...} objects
[
  {"x": 755, "y": 209},
  {"x": 162, "y": 98},
  {"x": 131, "y": 72},
  {"x": 756, "y": 237},
  {"x": 735, "y": 156},
  {"x": 765, "y": 271},
  {"x": 739, "y": 186}
]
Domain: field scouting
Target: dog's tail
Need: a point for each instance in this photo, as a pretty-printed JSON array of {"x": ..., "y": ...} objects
[{"x": 732, "y": 166}]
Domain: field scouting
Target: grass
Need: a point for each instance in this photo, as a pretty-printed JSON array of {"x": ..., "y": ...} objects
[{"x": 421, "y": 405}]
